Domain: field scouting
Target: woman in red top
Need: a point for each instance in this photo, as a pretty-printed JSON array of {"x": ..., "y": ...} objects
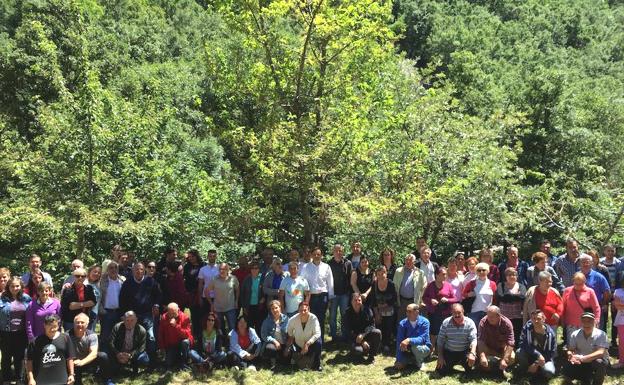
[{"x": 545, "y": 298}]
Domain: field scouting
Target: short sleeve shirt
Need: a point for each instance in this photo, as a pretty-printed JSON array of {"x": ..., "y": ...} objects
[
  {"x": 49, "y": 358},
  {"x": 84, "y": 344},
  {"x": 587, "y": 345},
  {"x": 225, "y": 296},
  {"x": 294, "y": 290},
  {"x": 208, "y": 273}
]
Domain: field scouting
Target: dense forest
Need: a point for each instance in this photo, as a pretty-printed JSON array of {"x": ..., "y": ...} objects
[{"x": 238, "y": 123}]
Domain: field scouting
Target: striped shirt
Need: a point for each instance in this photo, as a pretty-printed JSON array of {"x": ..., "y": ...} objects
[{"x": 456, "y": 338}]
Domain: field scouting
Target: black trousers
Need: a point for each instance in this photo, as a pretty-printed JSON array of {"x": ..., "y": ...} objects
[
  {"x": 256, "y": 314},
  {"x": 13, "y": 348},
  {"x": 589, "y": 373},
  {"x": 373, "y": 338},
  {"x": 314, "y": 350},
  {"x": 101, "y": 362},
  {"x": 270, "y": 352},
  {"x": 388, "y": 328},
  {"x": 454, "y": 358}
]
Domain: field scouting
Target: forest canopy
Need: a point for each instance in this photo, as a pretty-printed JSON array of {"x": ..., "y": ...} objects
[{"x": 238, "y": 123}]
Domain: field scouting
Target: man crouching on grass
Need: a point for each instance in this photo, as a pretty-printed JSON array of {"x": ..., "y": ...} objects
[{"x": 413, "y": 344}]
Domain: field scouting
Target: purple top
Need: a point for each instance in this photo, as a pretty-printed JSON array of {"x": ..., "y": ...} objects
[
  {"x": 432, "y": 292},
  {"x": 36, "y": 313}
]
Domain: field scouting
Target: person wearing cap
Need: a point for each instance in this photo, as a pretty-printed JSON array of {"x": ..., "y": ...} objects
[
  {"x": 538, "y": 345},
  {"x": 495, "y": 342},
  {"x": 364, "y": 336},
  {"x": 587, "y": 354},
  {"x": 413, "y": 343}
]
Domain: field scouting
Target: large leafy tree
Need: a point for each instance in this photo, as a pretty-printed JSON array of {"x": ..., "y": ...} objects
[{"x": 297, "y": 93}]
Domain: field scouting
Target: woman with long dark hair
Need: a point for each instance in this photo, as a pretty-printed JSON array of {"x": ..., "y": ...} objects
[{"x": 13, "y": 306}]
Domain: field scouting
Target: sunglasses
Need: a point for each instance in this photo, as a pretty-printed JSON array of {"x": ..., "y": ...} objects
[
  {"x": 481, "y": 270},
  {"x": 151, "y": 267},
  {"x": 80, "y": 276},
  {"x": 211, "y": 320}
]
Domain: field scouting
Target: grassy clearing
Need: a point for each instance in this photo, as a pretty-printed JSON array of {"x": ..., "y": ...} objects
[{"x": 338, "y": 368}]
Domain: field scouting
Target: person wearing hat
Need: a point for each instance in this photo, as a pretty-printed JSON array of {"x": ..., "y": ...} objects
[{"x": 587, "y": 355}]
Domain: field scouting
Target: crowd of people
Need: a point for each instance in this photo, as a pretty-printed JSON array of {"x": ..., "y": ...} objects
[{"x": 180, "y": 313}]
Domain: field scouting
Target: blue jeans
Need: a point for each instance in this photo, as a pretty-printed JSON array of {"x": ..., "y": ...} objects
[
  {"x": 108, "y": 321},
  {"x": 216, "y": 357},
  {"x": 318, "y": 307},
  {"x": 230, "y": 316},
  {"x": 178, "y": 354},
  {"x": 477, "y": 316},
  {"x": 147, "y": 321},
  {"x": 341, "y": 301},
  {"x": 141, "y": 359},
  {"x": 419, "y": 353},
  {"x": 525, "y": 359}
]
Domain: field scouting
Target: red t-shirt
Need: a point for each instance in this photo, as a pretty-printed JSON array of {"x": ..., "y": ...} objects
[
  {"x": 80, "y": 292},
  {"x": 550, "y": 304},
  {"x": 244, "y": 341}
]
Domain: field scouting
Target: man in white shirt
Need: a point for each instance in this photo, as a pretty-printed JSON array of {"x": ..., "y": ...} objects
[
  {"x": 205, "y": 276},
  {"x": 110, "y": 287},
  {"x": 321, "y": 282},
  {"x": 304, "y": 333}
]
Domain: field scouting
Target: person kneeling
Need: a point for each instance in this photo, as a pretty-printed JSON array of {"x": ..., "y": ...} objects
[
  {"x": 495, "y": 344},
  {"x": 457, "y": 342},
  {"x": 538, "y": 345},
  {"x": 365, "y": 338},
  {"x": 304, "y": 333},
  {"x": 127, "y": 344},
  {"x": 87, "y": 358},
  {"x": 175, "y": 337},
  {"x": 274, "y": 334},
  {"x": 210, "y": 352},
  {"x": 413, "y": 342},
  {"x": 245, "y": 345},
  {"x": 587, "y": 353}
]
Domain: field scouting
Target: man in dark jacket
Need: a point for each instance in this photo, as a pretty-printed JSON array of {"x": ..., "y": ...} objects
[
  {"x": 142, "y": 295},
  {"x": 538, "y": 345},
  {"x": 127, "y": 344},
  {"x": 341, "y": 272},
  {"x": 365, "y": 338}
]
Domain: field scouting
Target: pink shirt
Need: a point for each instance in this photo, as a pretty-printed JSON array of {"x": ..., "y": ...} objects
[{"x": 575, "y": 301}]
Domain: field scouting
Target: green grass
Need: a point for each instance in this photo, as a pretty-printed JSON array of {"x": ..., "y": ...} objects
[{"x": 338, "y": 368}]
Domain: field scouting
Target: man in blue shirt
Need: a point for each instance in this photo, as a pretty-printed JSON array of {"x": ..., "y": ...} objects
[
  {"x": 599, "y": 283},
  {"x": 413, "y": 342}
]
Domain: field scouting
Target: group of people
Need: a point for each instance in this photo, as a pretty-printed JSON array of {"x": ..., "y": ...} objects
[{"x": 461, "y": 311}]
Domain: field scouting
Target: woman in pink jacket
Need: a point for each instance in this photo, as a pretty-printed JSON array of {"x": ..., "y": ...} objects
[{"x": 577, "y": 299}]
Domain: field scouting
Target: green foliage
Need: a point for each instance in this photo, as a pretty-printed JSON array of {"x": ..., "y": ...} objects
[{"x": 234, "y": 124}]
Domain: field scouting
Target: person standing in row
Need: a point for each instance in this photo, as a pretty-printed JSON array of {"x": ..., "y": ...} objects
[
  {"x": 410, "y": 282},
  {"x": 321, "y": 280},
  {"x": 342, "y": 270}
]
